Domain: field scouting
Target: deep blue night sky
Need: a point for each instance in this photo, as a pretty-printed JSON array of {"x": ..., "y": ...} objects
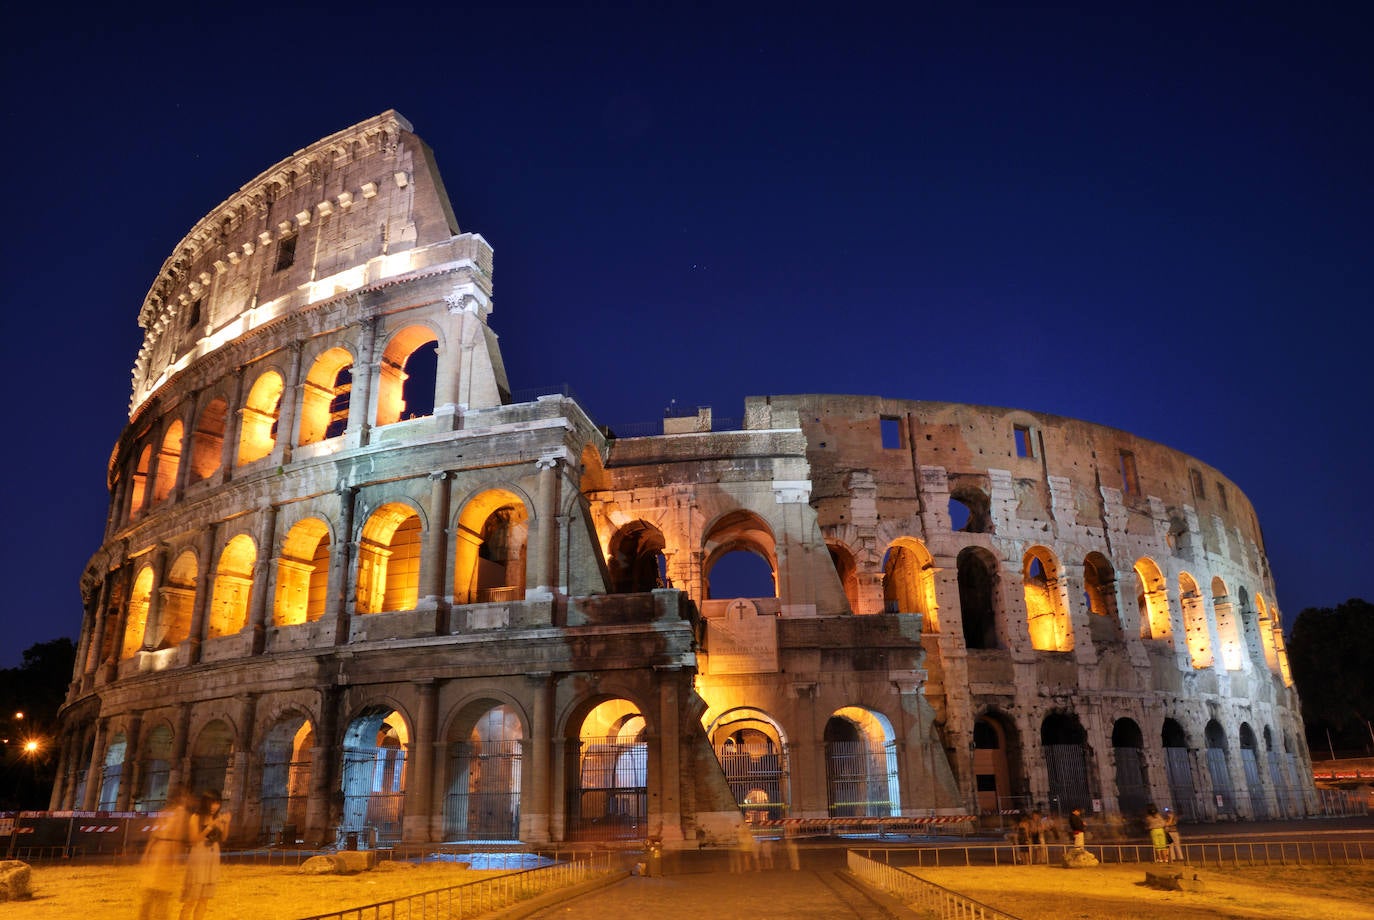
[{"x": 1156, "y": 220}]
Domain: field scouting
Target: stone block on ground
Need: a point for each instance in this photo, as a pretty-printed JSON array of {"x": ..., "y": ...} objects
[
  {"x": 1079, "y": 859},
  {"x": 319, "y": 865},
  {"x": 1171, "y": 879},
  {"x": 14, "y": 880},
  {"x": 355, "y": 860}
]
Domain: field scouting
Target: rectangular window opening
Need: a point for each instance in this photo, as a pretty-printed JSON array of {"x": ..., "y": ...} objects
[
  {"x": 1025, "y": 445},
  {"x": 892, "y": 432},
  {"x": 286, "y": 253},
  {"x": 1199, "y": 488},
  {"x": 1221, "y": 497},
  {"x": 1130, "y": 482}
]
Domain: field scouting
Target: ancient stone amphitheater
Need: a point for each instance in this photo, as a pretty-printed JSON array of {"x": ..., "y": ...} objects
[{"x": 347, "y": 579}]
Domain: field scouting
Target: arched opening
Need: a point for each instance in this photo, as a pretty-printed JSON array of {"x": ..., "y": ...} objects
[
  {"x": 374, "y": 775},
  {"x": 287, "y": 761},
  {"x": 848, "y": 572},
  {"x": 1266, "y": 634},
  {"x": 483, "y": 786},
  {"x": 996, "y": 759},
  {"x": 1152, "y": 601},
  {"x": 302, "y": 574},
  {"x": 1047, "y": 616},
  {"x": 178, "y": 597},
  {"x": 210, "y": 758},
  {"x": 1178, "y": 768},
  {"x": 258, "y": 425},
  {"x": 168, "y": 463},
  {"x": 752, "y": 751},
  {"x": 233, "y": 585},
  {"x": 326, "y": 396},
  {"x": 136, "y": 625},
  {"x": 861, "y": 765},
  {"x": 492, "y": 539},
  {"x": 1195, "y": 627},
  {"x": 1099, "y": 586},
  {"x": 970, "y": 511},
  {"x": 138, "y": 482},
  {"x": 636, "y": 559},
  {"x": 1219, "y": 768},
  {"x": 112, "y": 772},
  {"x": 1064, "y": 744},
  {"x": 1228, "y": 629},
  {"x": 609, "y": 761},
  {"x": 406, "y": 385},
  {"x": 156, "y": 770},
  {"x": 978, "y": 597},
  {"x": 1254, "y": 789},
  {"x": 207, "y": 443},
  {"x": 909, "y": 581},
  {"x": 389, "y": 560},
  {"x": 1132, "y": 778},
  {"x": 740, "y": 558}
]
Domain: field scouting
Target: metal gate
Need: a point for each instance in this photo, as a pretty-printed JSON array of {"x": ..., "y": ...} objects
[
  {"x": 1225, "y": 796},
  {"x": 859, "y": 781},
  {"x": 1068, "y": 773},
  {"x": 483, "y": 801},
  {"x": 757, "y": 776},
  {"x": 285, "y": 793},
  {"x": 612, "y": 795},
  {"x": 1132, "y": 785},
  {"x": 208, "y": 774},
  {"x": 1178, "y": 766},
  {"x": 374, "y": 795},
  {"x": 1259, "y": 804},
  {"x": 1279, "y": 777}
]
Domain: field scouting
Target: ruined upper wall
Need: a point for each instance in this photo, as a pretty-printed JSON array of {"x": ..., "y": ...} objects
[{"x": 360, "y": 207}]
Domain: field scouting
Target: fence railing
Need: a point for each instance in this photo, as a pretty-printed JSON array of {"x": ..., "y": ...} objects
[
  {"x": 928, "y": 896},
  {"x": 1232, "y": 854},
  {"x": 476, "y": 898}
]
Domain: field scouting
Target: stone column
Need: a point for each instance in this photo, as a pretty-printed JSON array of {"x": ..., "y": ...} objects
[
  {"x": 152, "y": 629},
  {"x": 366, "y": 379},
  {"x": 188, "y": 440},
  {"x": 205, "y": 583},
  {"x": 233, "y": 430},
  {"x": 95, "y": 772},
  {"x": 320, "y": 816},
  {"x": 179, "y": 773},
  {"x": 537, "y": 783},
  {"x": 543, "y": 559},
  {"x": 289, "y": 407},
  {"x": 132, "y": 774},
  {"x": 434, "y": 555},
  {"x": 237, "y": 783},
  {"x": 341, "y": 560},
  {"x": 417, "y": 824},
  {"x": 263, "y": 587},
  {"x": 665, "y": 789}
]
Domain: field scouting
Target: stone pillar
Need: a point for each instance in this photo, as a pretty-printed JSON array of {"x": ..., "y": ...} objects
[
  {"x": 205, "y": 583},
  {"x": 238, "y": 782},
  {"x": 289, "y": 408},
  {"x": 342, "y": 561},
  {"x": 434, "y": 555},
  {"x": 179, "y": 773},
  {"x": 419, "y": 794},
  {"x": 131, "y": 776},
  {"x": 542, "y": 571},
  {"x": 263, "y": 586},
  {"x": 665, "y": 782},
  {"x": 321, "y": 816},
  {"x": 95, "y": 772},
  {"x": 152, "y": 629},
  {"x": 188, "y": 440},
  {"x": 233, "y": 430},
  {"x": 366, "y": 379},
  {"x": 537, "y": 783}
]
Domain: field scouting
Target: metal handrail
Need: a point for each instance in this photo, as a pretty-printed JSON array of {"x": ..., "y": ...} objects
[
  {"x": 928, "y": 896},
  {"x": 1233, "y": 854}
]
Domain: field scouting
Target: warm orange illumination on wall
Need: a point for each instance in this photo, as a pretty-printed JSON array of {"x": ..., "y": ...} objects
[
  {"x": 258, "y": 433},
  {"x": 233, "y": 585},
  {"x": 302, "y": 574},
  {"x": 391, "y": 404},
  {"x": 489, "y": 559},
  {"x": 139, "y": 600},
  {"x": 1152, "y": 600},
  {"x": 389, "y": 560},
  {"x": 1047, "y": 614}
]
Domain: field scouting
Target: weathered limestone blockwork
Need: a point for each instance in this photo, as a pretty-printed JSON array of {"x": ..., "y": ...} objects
[{"x": 349, "y": 582}]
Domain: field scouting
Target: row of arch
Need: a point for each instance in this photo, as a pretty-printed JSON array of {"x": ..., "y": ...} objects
[
  {"x": 1214, "y": 774},
  {"x": 194, "y": 448}
]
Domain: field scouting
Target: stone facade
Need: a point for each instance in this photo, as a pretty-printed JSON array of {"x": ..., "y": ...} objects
[{"x": 350, "y": 581}]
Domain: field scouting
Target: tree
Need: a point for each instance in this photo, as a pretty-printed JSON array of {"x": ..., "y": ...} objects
[
  {"x": 31, "y": 695},
  {"x": 1331, "y": 654}
]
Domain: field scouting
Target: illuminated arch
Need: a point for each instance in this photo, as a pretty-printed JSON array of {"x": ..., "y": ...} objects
[
  {"x": 909, "y": 581},
  {"x": 752, "y": 749},
  {"x": 1228, "y": 626},
  {"x": 1047, "y": 616},
  {"x": 374, "y": 774},
  {"x": 609, "y": 756},
  {"x": 138, "y": 482},
  {"x": 155, "y": 768},
  {"x": 140, "y": 598},
  {"x": 1196, "y": 629},
  {"x": 861, "y": 764},
  {"x": 287, "y": 756},
  {"x": 398, "y": 397},
  {"x": 168, "y": 463},
  {"x": 302, "y": 574},
  {"x": 325, "y": 396},
  {"x": 492, "y": 539},
  {"x": 233, "y": 585},
  {"x": 482, "y": 781},
  {"x": 210, "y": 757},
  {"x": 258, "y": 427},
  {"x": 178, "y": 596},
  {"x": 636, "y": 561},
  {"x": 848, "y": 572},
  {"x": 740, "y": 531},
  {"x": 1152, "y": 601},
  {"x": 1099, "y": 586},
  {"x": 389, "y": 560},
  {"x": 1266, "y": 630},
  {"x": 207, "y": 441}
]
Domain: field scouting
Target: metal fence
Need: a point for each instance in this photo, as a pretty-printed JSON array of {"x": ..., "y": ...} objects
[
  {"x": 1229, "y": 854},
  {"x": 935, "y": 899},
  {"x": 480, "y": 897}
]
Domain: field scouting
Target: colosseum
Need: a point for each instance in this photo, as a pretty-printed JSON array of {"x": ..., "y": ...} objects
[{"x": 352, "y": 582}]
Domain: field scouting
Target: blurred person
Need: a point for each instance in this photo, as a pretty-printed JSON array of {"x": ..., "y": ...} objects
[
  {"x": 1078, "y": 828},
  {"x": 1172, "y": 835},
  {"x": 207, "y": 827},
  {"x": 1159, "y": 840},
  {"x": 162, "y": 858}
]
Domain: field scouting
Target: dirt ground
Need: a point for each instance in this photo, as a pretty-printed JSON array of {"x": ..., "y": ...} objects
[
  {"x": 244, "y": 893},
  {"x": 1119, "y": 892}
]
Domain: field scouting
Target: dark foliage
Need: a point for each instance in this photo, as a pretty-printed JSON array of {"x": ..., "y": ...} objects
[
  {"x": 1331, "y": 653},
  {"x": 36, "y": 688}
]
